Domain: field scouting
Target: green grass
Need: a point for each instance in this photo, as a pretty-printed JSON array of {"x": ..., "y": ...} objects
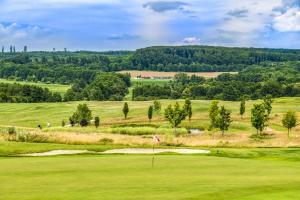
[
  {"x": 52, "y": 87},
  {"x": 30, "y": 115},
  {"x": 173, "y": 177}
]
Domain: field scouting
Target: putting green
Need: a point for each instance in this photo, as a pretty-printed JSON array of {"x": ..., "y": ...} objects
[{"x": 173, "y": 177}]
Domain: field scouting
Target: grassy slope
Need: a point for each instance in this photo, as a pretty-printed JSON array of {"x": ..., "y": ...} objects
[
  {"x": 131, "y": 177},
  {"x": 52, "y": 87},
  {"x": 30, "y": 115}
]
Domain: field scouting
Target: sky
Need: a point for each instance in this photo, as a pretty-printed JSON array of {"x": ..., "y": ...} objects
[{"x": 102, "y": 25}]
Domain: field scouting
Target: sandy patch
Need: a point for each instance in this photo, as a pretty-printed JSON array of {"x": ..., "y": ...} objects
[
  {"x": 58, "y": 152},
  {"x": 150, "y": 151}
]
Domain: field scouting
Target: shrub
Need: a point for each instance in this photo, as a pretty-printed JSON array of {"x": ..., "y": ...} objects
[
  {"x": 106, "y": 141},
  {"x": 12, "y": 130}
]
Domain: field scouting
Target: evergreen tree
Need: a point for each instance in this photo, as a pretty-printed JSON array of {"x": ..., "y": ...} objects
[
  {"x": 289, "y": 121},
  {"x": 150, "y": 113},
  {"x": 125, "y": 110}
]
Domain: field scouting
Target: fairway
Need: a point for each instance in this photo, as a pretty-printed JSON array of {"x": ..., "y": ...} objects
[
  {"x": 61, "y": 89},
  {"x": 173, "y": 177}
]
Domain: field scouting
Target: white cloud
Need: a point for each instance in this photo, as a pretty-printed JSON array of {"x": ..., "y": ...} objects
[
  {"x": 288, "y": 21},
  {"x": 191, "y": 40}
]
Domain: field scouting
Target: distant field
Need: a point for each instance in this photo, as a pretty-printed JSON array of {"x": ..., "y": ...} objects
[
  {"x": 135, "y": 74},
  {"x": 173, "y": 177},
  {"x": 52, "y": 87},
  {"x": 30, "y": 115}
]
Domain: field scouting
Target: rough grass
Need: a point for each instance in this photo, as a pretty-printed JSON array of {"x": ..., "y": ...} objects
[
  {"x": 52, "y": 87},
  {"x": 173, "y": 177}
]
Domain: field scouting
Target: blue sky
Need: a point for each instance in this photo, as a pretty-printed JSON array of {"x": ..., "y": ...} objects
[{"x": 130, "y": 24}]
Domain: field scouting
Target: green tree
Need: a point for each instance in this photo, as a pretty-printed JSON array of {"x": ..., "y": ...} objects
[
  {"x": 242, "y": 108},
  {"x": 150, "y": 113},
  {"x": 188, "y": 108},
  {"x": 82, "y": 116},
  {"x": 175, "y": 115},
  {"x": 224, "y": 120},
  {"x": 289, "y": 121},
  {"x": 213, "y": 114},
  {"x": 259, "y": 117},
  {"x": 97, "y": 122},
  {"x": 157, "y": 106},
  {"x": 125, "y": 110},
  {"x": 268, "y": 104}
]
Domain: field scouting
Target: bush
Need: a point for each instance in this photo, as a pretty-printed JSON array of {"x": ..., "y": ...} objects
[
  {"x": 83, "y": 123},
  {"x": 106, "y": 141},
  {"x": 12, "y": 130},
  {"x": 32, "y": 137}
]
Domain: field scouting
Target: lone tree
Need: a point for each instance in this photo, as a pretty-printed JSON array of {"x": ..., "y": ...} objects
[
  {"x": 289, "y": 121},
  {"x": 63, "y": 123},
  {"x": 125, "y": 110},
  {"x": 157, "y": 106},
  {"x": 268, "y": 104},
  {"x": 224, "y": 120},
  {"x": 259, "y": 117},
  {"x": 213, "y": 114},
  {"x": 175, "y": 115},
  {"x": 83, "y": 115},
  {"x": 150, "y": 113},
  {"x": 242, "y": 108},
  {"x": 97, "y": 122},
  {"x": 188, "y": 108}
]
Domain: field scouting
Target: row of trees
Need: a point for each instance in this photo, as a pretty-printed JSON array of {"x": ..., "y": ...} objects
[{"x": 220, "y": 117}]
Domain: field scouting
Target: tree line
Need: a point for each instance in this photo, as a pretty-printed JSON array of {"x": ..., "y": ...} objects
[{"x": 220, "y": 117}]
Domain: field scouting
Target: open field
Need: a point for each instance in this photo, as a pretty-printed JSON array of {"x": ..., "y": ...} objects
[
  {"x": 137, "y": 130},
  {"x": 52, "y": 87},
  {"x": 256, "y": 175},
  {"x": 154, "y": 74}
]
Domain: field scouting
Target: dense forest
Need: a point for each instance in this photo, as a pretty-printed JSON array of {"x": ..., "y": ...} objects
[
  {"x": 91, "y": 74},
  {"x": 254, "y": 82},
  {"x": 71, "y": 67}
]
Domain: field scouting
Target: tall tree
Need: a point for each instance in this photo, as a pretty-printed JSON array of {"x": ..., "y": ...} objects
[
  {"x": 188, "y": 108},
  {"x": 175, "y": 115},
  {"x": 213, "y": 114},
  {"x": 150, "y": 113},
  {"x": 289, "y": 121},
  {"x": 97, "y": 122},
  {"x": 224, "y": 120},
  {"x": 125, "y": 110},
  {"x": 2, "y": 49},
  {"x": 242, "y": 108},
  {"x": 25, "y": 49},
  {"x": 268, "y": 104},
  {"x": 259, "y": 117}
]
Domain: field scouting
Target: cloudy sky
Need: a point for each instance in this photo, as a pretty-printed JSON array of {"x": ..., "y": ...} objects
[{"x": 131, "y": 24}]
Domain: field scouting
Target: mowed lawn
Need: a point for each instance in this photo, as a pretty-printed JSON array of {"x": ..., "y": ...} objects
[
  {"x": 62, "y": 89},
  {"x": 30, "y": 115},
  {"x": 174, "y": 177}
]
